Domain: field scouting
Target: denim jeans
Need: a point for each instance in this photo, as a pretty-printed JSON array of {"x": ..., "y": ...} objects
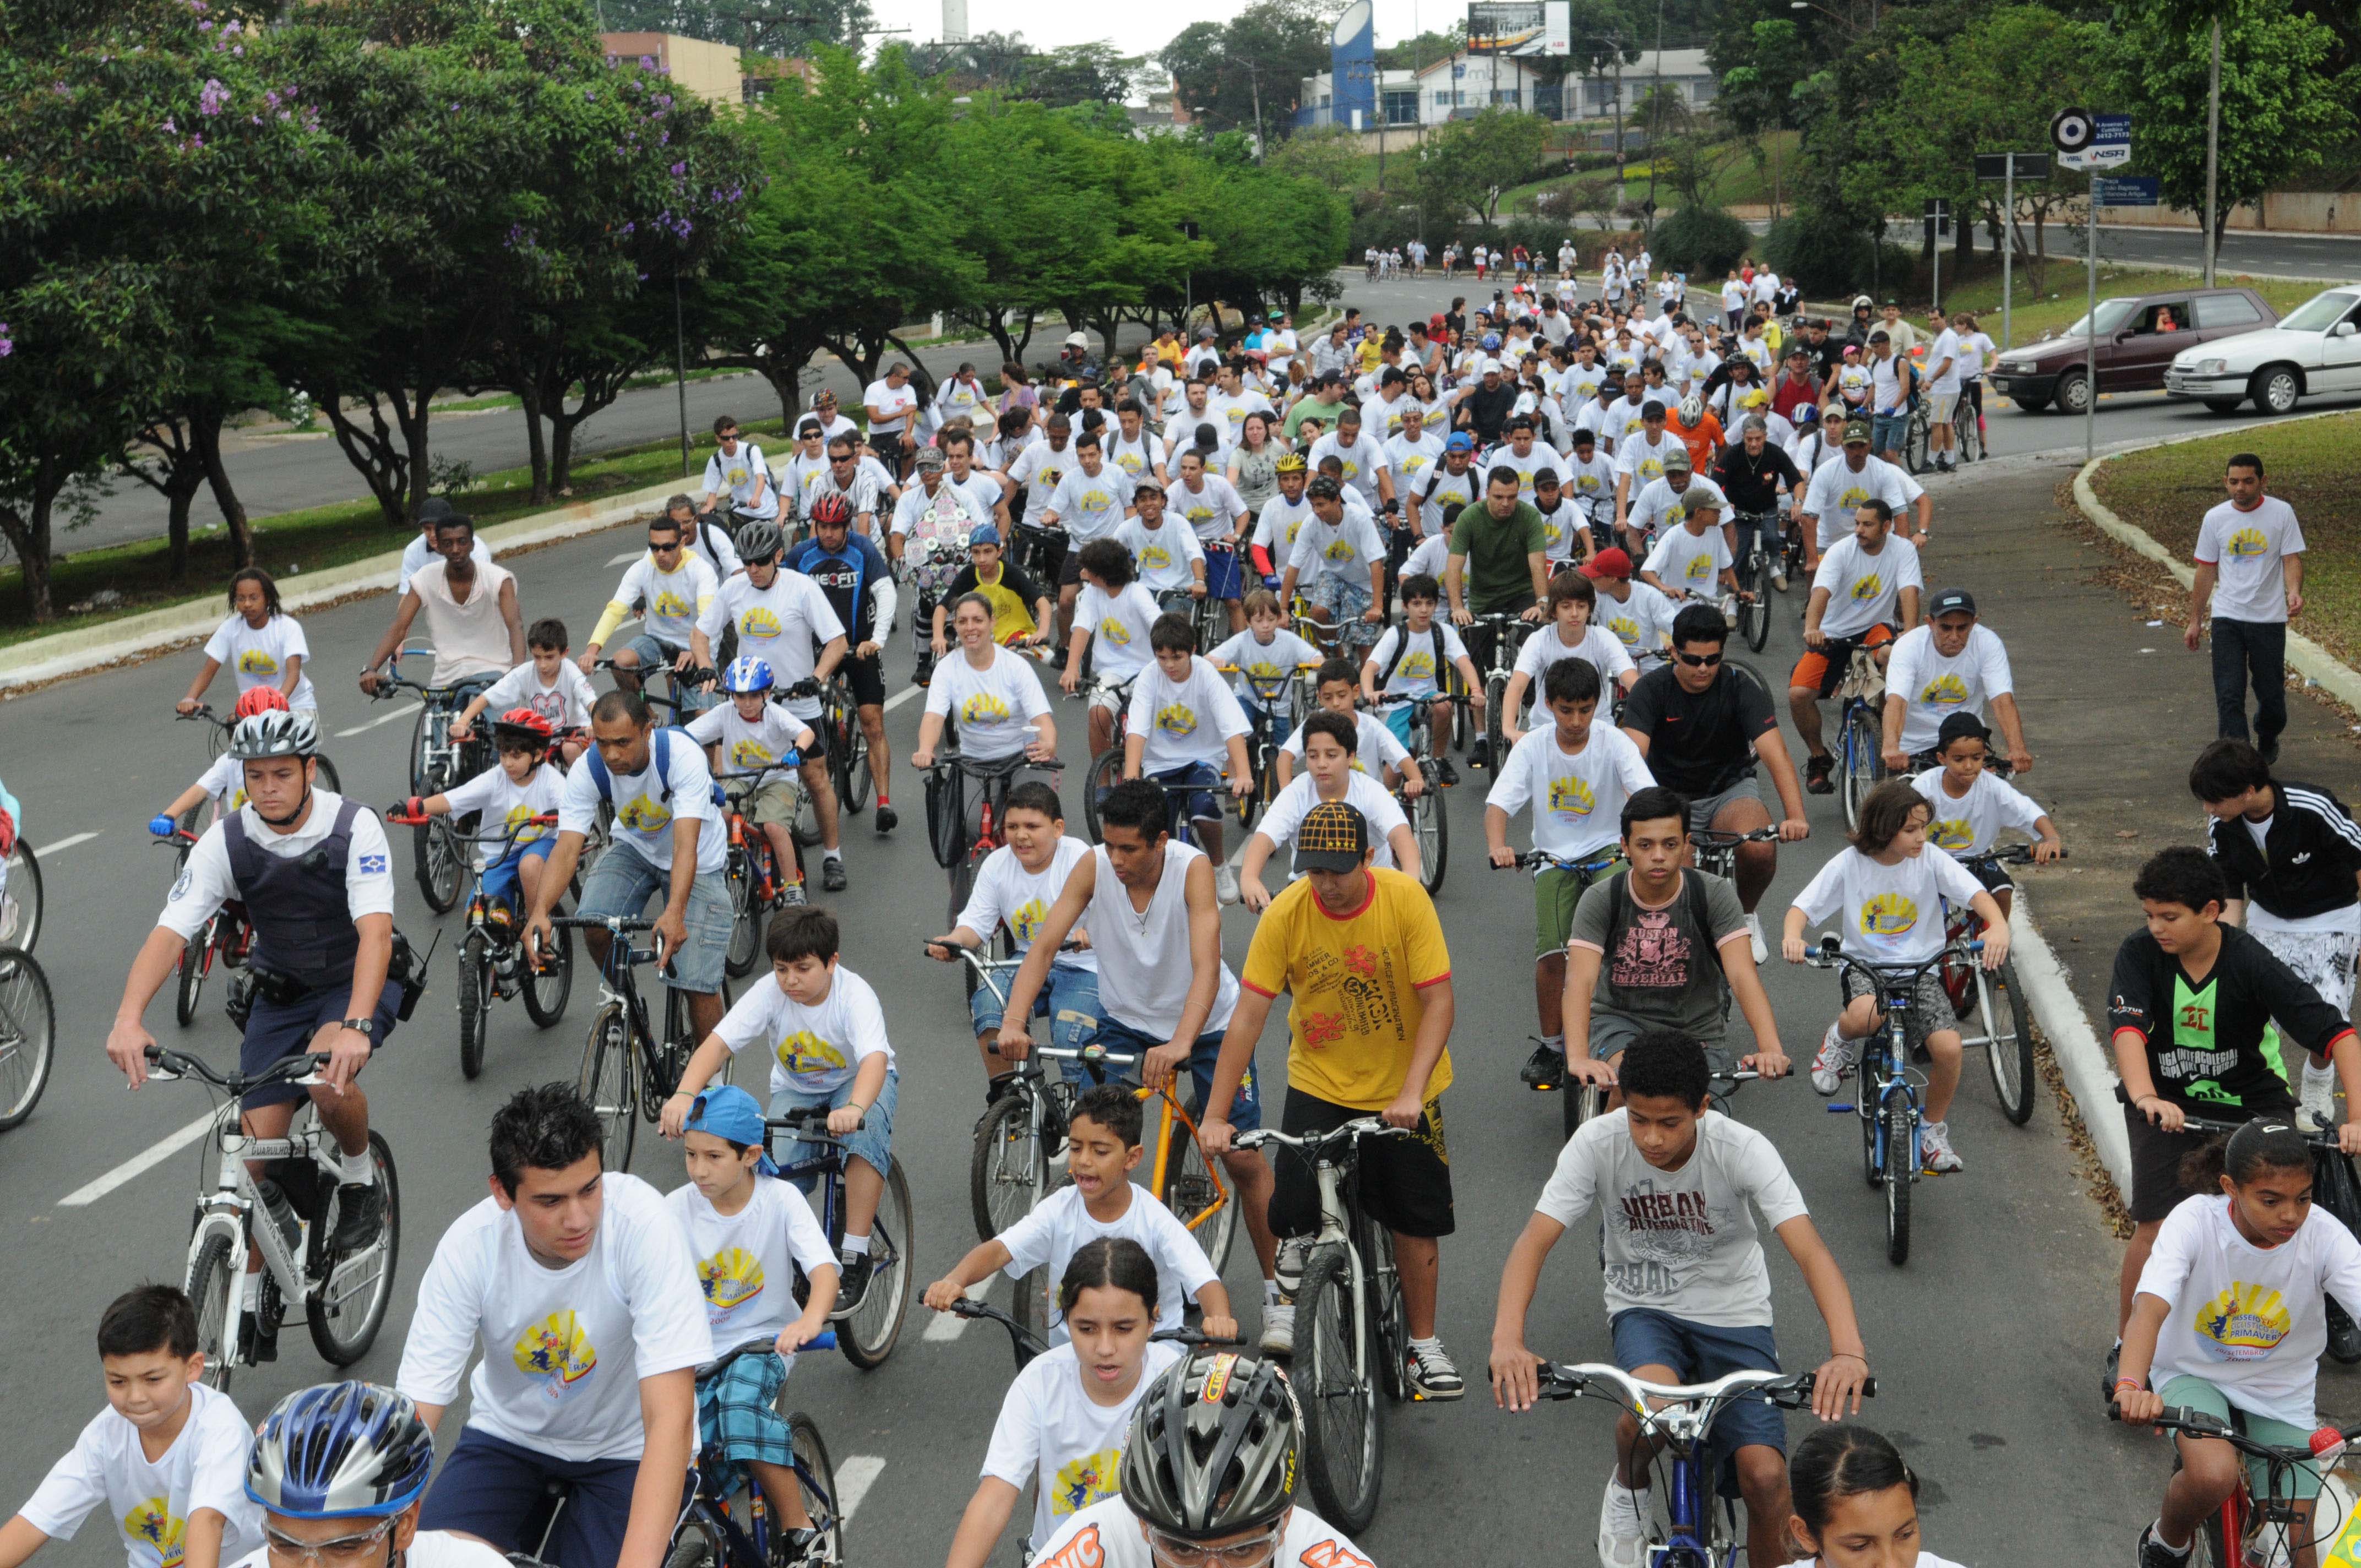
[{"x": 2255, "y": 649}]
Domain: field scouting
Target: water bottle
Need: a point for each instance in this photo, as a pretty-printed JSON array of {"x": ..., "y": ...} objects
[{"x": 282, "y": 1214}]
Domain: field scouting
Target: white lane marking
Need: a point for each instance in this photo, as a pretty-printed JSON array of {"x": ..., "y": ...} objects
[
  {"x": 404, "y": 711},
  {"x": 854, "y": 1479},
  {"x": 899, "y": 697},
  {"x": 630, "y": 555},
  {"x": 48, "y": 849},
  {"x": 950, "y": 1325},
  {"x": 137, "y": 1165}
]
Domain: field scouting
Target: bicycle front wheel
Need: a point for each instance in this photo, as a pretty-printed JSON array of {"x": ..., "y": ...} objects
[
  {"x": 1971, "y": 436},
  {"x": 441, "y": 864},
  {"x": 1431, "y": 826},
  {"x": 1199, "y": 1202},
  {"x": 868, "y": 1336},
  {"x": 1901, "y": 1172},
  {"x": 191, "y": 977},
  {"x": 2008, "y": 1037},
  {"x": 474, "y": 1004},
  {"x": 1857, "y": 756},
  {"x": 816, "y": 1480},
  {"x": 610, "y": 1082},
  {"x": 1344, "y": 1441},
  {"x": 1496, "y": 694},
  {"x": 546, "y": 989},
  {"x": 1106, "y": 771},
  {"x": 1914, "y": 447},
  {"x": 347, "y": 1309},
  {"x": 1006, "y": 1177},
  {"x": 28, "y": 1034},
  {"x": 854, "y": 782},
  {"x": 213, "y": 1290},
  {"x": 21, "y": 904}
]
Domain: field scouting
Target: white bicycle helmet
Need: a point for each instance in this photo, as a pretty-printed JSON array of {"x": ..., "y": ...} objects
[
  {"x": 274, "y": 735},
  {"x": 1692, "y": 410}
]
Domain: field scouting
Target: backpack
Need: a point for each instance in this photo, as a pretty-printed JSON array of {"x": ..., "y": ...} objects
[
  {"x": 1401, "y": 651},
  {"x": 606, "y": 781}
]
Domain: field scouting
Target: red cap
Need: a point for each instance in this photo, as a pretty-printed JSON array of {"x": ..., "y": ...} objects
[{"x": 1608, "y": 562}]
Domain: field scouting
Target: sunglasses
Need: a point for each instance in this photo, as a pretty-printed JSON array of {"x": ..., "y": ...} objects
[
  {"x": 1700, "y": 661},
  {"x": 1179, "y": 1554},
  {"x": 343, "y": 1548}
]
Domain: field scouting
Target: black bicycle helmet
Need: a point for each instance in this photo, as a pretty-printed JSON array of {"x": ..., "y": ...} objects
[
  {"x": 1213, "y": 1449},
  {"x": 760, "y": 539}
]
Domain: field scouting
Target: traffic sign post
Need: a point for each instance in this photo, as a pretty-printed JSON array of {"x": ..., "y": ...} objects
[
  {"x": 1937, "y": 220},
  {"x": 2092, "y": 142},
  {"x": 2005, "y": 167}
]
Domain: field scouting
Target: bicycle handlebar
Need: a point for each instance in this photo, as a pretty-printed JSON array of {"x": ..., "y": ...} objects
[
  {"x": 1716, "y": 838},
  {"x": 804, "y": 1118},
  {"x": 1530, "y": 858},
  {"x": 2013, "y": 855},
  {"x": 2321, "y": 1139},
  {"x": 824, "y": 1340},
  {"x": 1314, "y": 1144},
  {"x": 2324, "y": 1447},
  {"x": 1884, "y": 976},
  {"x": 1791, "y": 1391},
  {"x": 792, "y": 760},
  {"x": 300, "y": 1068}
]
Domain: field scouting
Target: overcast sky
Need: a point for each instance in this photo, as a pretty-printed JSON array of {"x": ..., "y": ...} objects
[{"x": 1134, "y": 29}]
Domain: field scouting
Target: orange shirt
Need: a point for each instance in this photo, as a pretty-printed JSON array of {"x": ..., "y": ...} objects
[{"x": 1703, "y": 439}]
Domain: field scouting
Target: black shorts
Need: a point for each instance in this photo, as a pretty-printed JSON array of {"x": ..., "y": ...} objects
[
  {"x": 817, "y": 750},
  {"x": 888, "y": 445},
  {"x": 1069, "y": 568},
  {"x": 1405, "y": 1182},
  {"x": 1992, "y": 873},
  {"x": 865, "y": 678},
  {"x": 2157, "y": 1155}
]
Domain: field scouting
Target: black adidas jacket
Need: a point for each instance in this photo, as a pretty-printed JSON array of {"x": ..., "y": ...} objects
[{"x": 2313, "y": 852}]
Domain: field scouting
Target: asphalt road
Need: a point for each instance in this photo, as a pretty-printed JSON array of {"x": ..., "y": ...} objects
[{"x": 1986, "y": 1343}]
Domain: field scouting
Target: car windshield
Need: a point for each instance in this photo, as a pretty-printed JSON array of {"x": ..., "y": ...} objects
[
  {"x": 2113, "y": 313},
  {"x": 2320, "y": 312}
]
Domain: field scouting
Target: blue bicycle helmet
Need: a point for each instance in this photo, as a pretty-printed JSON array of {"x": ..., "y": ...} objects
[
  {"x": 747, "y": 674},
  {"x": 1491, "y": 341},
  {"x": 1808, "y": 414},
  {"x": 340, "y": 1451}
]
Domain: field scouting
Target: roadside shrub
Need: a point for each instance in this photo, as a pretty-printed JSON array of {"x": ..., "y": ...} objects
[{"x": 1701, "y": 241}]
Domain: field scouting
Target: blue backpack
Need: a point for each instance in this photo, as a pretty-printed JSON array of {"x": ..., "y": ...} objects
[{"x": 663, "y": 746}]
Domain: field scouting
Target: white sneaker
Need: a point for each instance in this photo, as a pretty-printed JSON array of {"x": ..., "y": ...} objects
[
  {"x": 1833, "y": 1060},
  {"x": 1278, "y": 1328},
  {"x": 1620, "y": 1539},
  {"x": 2320, "y": 1099},
  {"x": 1779, "y": 576},
  {"x": 1754, "y": 936},
  {"x": 1226, "y": 884},
  {"x": 1935, "y": 1151}
]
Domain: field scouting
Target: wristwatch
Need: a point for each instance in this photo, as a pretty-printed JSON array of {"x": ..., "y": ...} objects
[{"x": 362, "y": 1026}]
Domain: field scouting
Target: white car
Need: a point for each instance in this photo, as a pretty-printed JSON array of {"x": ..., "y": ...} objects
[{"x": 2314, "y": 350}]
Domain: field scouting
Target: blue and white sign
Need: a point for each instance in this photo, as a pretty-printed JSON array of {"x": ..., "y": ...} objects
[
  {"x": 2128, "y": 191},
  {"x": 2109, "y": 144}
]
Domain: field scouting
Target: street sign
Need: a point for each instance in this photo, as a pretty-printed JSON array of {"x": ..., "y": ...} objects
[
  {"x": 2127, "y": 190},
  {"x": 2029, "y": 165},
  {"x": 1938, "y": 218},
  {"x": 2109, "y": 144},
  {"x": 2069, "y": 130}
]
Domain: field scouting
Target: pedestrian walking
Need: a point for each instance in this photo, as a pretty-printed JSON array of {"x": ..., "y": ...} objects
[{"x": 2250, "y": 566}]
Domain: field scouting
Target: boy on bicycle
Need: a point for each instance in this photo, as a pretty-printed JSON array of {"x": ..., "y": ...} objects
[
  {"x": 1974, "y": 806},
  {"x": 1266, "y": 651},
  {"x": 750, "y": 1235},
  {"x": 549, "y": 683},
  {"x": 1185, "y": 725},
  {"x": 1113, "y": 614},
  {"x": 748, "y": 736},
  {"x": 505, "y": 799},
  {"x": 826, "y": 1033},
  {"x": 1688, "y": 1291},
  {"x": 1378, "y": 753},
  {"x": 1404, "y": 672}
]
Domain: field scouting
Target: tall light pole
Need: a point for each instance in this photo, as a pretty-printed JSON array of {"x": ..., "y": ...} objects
[{"x": 2212, "y": 150}]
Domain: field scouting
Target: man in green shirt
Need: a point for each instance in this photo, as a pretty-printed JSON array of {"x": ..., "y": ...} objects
[
  {"x": 1325, "y": 402},
  {"x": 1496, "y": 566}
]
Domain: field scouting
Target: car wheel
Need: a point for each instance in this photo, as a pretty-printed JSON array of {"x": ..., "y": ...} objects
[
  {"x": 2223, "y": 405},
  {"x": 2032, "y": 405},
  {"x": 2275, "y": 389},
  {"x": 2074, "y": 393}
]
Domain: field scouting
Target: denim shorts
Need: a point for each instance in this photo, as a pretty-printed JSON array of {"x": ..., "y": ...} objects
[
  {"x": 500, "y": 880},
  {"x": 1197, "y": 805},
  {"x": 622, "y": 882},
  {"x": 873, "y": 1142},
  {"x": 1888, "y": 432},
  {"x": 1245, "y": 1108},
  {"x": 656, "y": 653},
  {"x": 1071, "y": 1002},
  {"x": 1700, "y": 1353}
]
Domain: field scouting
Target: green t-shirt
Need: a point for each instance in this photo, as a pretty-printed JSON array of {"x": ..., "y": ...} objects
[
  {"x": 1500, "y": 578},
  {"x": 1311, "y": 409}
]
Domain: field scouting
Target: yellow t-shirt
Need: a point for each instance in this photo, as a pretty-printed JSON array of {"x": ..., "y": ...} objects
[{"x": 1357, "y": 982}]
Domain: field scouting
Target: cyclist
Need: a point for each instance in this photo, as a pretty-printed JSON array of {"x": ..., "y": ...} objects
[
  {"x": 1692, "y": 563},
  {"x": 549, "y": 683},
  {"x": 1207, "y": 503},
  {"x": 855, "y": 579},
  {"x": 1525, "y": 454},
  {"x": 1115, "y": 614},
  {"x": 1453, "y": 481},
  {"x": 1331, "y": 771},
  {"x": 750, "y": 1237},
  {"x": 507, "y": 797},
  {"x": 1703, "y": 728},
  {"x": 471, "y": 616},
  {"x": 1209, "y": 1475},
  {"x": 1335, "y": 551},
  {"x": 860, "y": 481},
  {"x": 328, "y": 1460},
  {"x": 2254, "y": 1261},
  {"x": 163, "y": 1457},
  {"x": 1363, "y": 958},
  {"x": 1845, "y": 483},
  {"x": 1942, "y": 378},
  {"x": 1498, "y": 554},
  {"x": 1282, "y": 517},
  {"x": 1376, "y": 753},
  {"x": 1164, "y": 992},
  {"x": 926, "y": 541},
  {"x": 1695, "y": 427},
  {"x": 1864, "y": 595},
  {"x": 1088, "y": 501},
  {"x": 223, "y": 783},
  {"x": 261, "y": 642},
  {"x": 1949, "y": 664},
  {"x": 991, "y": 693},
  {"x": 1639, "y": 617},
  {"x": 1184, "y": 724},
  {"x": 422, "y": 547},
  {"x": 736, "y": 469},
  {"x": 1688, "y": 1291},
  {"x": 1660, "y": 501},
  {"x": 1015, "y": 886},
  {"x": 1890, "y": 889},
  {"x": 1407, "y": 665},
  {"x": 315, "y": 872},
  {"x": 577, "y": 1285},
  {"x": 1751, "y": 474},
  {"x": 1266, "y": 651},
  {"x": 1856, "y": 1503},
  {"x": 1573, "y": 600},
  {"x": 1064, "y": 1420},
  {"x": 746, "y": 734},
  {"x": 675, "y": 589},
  {"x": 1972, "y": 806},
  {"x": 666, "y": 836},
  {"x": 1575, "y": 775},
  {"x": 1020, "y": 606}
]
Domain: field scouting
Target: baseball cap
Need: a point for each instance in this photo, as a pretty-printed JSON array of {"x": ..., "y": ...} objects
[
  {"x": 983, "y": 534},
  {"x": 1678, "y": 461},
  {"x": 728, "y": 1111},
  {"x": 1699, "y": 499},
  {"x": 1462, "y": 442},
  {"x": 1333, "y": 837},
  {"x": 930, "y": 457},
  {"x": 1951, "y": 601},
  {"x": 1610, "y": 562},
  {"x": 1856, "y": 430},
  {"x": 1491, "y": 366},
  {"x": 1961, "y": 725}
]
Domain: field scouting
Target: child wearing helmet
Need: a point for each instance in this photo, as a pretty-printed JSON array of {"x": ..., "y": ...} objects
[
  {"x": 223, "y": 783},
  {"x": 754, "y": 746},
  {"x": 504, "y": 799},
  {"x": 340, "y": 1471}
]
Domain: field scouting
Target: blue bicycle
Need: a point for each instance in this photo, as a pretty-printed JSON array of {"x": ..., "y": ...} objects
[
  {"x": 1675, "y": 1421},
  {"x": 1890, "y": 1085},
  {"x": 867, "y": 1328},
  {"x": 728, "y": 1522}
]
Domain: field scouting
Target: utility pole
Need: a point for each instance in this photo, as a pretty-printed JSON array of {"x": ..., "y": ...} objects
[
  {"x": 1254, "y": 85},
  {"x": 1656, "y": 116},
  {"x": 2212, "y": 150},
  {"x": 680, "y": 366}
]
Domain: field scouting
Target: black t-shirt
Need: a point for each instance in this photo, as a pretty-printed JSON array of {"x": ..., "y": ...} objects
[
  {"x": 2205, "y": 1038},
  {"x": 1703, "y": 744},
  {"x": 1827, "y": 355},
  {"x": 1488, "y": 409},
  {"x": 1753, "y": 483}
]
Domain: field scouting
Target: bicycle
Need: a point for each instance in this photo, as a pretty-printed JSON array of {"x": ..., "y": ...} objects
[
  {"x": 1582, "y": 1100},
  {"x": 1352, "y": 1338},
  {"x": 1994, "y": 999},
  {"x": 1860, "y": 762},
  {"x": 28, "y": 1034},
  {"x": 627, "y": 1072},
  {"x": 226, "y": 936},
  {"x": 727, "y": 1522},
  {"x": 947, "y": 821},
  {"x": 866, "y": 1333},
  {"x": 1715, "y": 849},
  {"x": 1509, "y": 634},
  {"x": 1754, "y": 623},
  {"x": 752, "y": 871},
  {"x": 286, "y": 1217},
  {"x": 848, "y": 744},
  {"x": 494, "y": 965},
  {"x": 1106, "y": 767},
  {"x": 1430, "y": 824},
  {"x": 1888, "y": 1103},
  {"x": 438, "y": 763},
  {"x": 217, "y": 741},
  {"x": 2243, "y": 1530},
  {"x": 1276, "y": 697},
  {"x": 1679, "y": 1418},
  {"x": 1967, "y": 436}
]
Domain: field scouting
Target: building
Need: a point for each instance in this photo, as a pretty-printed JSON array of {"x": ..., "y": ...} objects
[
  {"x": 708, "y": 70},
  {"x": 1461, "y": 85},
  {"x": 1683, "y": 70}
]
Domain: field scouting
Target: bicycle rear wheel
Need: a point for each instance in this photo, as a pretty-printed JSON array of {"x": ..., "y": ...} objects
[
  {"x": 1005, "y": 1173},
  {"x": 1857, "y": 756},
  {"x": 610, "y": 1082},
  {"x": 868, "y": 1336},
  {"x": 345, "y": 1309},
  {"x": 213, "y": 1290},
  {"x": 21, "y": 904},
  {"x": 1901, "y": 1173},
  {"x": 1343, "y": 1443},
  {"x": 1191, "y": 1193},
  {"x": 1106, "y": 771},
  {"x": 28, "y": 1034},
  {"x": 816, "y": 1480},
  {"x": 2008, "y": 1037}
]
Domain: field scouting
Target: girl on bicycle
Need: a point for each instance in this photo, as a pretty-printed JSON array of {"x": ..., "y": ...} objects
[
  {"x": 1890, "y": 887},
  {"x": 261, "y": 642},
  {"x": 2231, "y": 1318},
  {"x": 1064, "y": 1421},
  {"x": 1856, "y": 1503}
]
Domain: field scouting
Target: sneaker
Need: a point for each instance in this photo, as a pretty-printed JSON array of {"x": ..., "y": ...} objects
[
  {"x": 794, "y": 1548},
  {"x": 853, "y": 1272},
  {"x": 1287, "y": 1265},
  {"x": 831, "y": 873},
  {"x": 1479, "y": 754},
  {"x": 2320, "y": 1099},
  {"x": 360, "y": 1216},
  {"x": 1620, "y": 1543},
  {"x": 923, "y": 673},
  {"x": 1935, "y": 1151},
  {"x": 2154, "y": 1553},
  {"x": 2270, "y": 751},
  {"x": 887, "y": 819},
  {"x": 1433, "y": 1375},
  {"x": 1278, "y": 1328},
  {"x": 258, "y": 1341},
  {"x": 1440, "y": 770},
  {"x": 1545, "y": 1068},
  {"x": 795, "y": 894},
  {"x": 1754, "y": 936},
  {"x": 1226, "y": 885},
  {"x": 1816, "y": 773},
  {"x": 1832, "y": 1061},
  {"x": 1779, "y": 574}
]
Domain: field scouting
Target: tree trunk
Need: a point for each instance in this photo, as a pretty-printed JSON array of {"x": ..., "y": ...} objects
[
  {"x": 414, "y": 419},
  {"x": 31, "y": 536},
  {"x": 205, "y": 435},
  {"x": 383, "y": 465},
  {"x": 995, "y": 322},
  {"x": 175, "y": 530},
  {"x": 527, "y": 388},
  {"x": 1024, "y": 338}
]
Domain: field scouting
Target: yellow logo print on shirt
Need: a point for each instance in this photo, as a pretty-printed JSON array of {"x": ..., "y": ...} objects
[
  {"x": 2245, "y": 1322},
  {"x": 1700, "y": 566},
  {"x": 1418, "y": 666},
  {"x": 556, "y": 1349},
  {"x": 1626, "y": 629},
  {"x": 736, "y": 473},
  {"x": 750, "y": 754},
  {"x": 1869, "y": 587},
  {"x": 758, "y": 623},
  {"x": 1570, "y": 797},
  {"x": 1131, "y": 463},
  {"x": 1944, "y": 691},
  {"x": 1340, "y": 549},
  {"x": 255, "y": 661},
  {"x": 515, "y": 822},
  {"x": 1177, "y": 718},
  {"x": 1154, "y": 557},
  {"x": 1027, "y": 918},
  {"x": 804, "y": 1051},
  {"x": 1096, "y": 500},
  {"x": 1082, "y": 1482},
  {"x": 152, "y": 1523},
  {"x": 645, "y": 816},
  {"x": 2246, "y": 542},
  {"x": 732, "y": 1278},
  {"x": 984, "y": 707},
  {"x": 1955, "y": 834},
  {"x": 1888, "y": 915},
  {"x": 1852, "y": 495},
  {"x": 669, "y": 603},
  {"x": 1115, "y": 631}
]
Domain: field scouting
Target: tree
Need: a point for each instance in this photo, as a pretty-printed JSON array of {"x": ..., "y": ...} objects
[
  {"x": 1468, "y": 163},
  {"x": 1330, "y": 154},
  {"x": 1248, "y": 73},
  {"x": 801, "y": 29},
  {"x": 1424, "y": 50}
]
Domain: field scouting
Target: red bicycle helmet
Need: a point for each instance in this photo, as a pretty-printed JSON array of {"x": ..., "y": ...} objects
[
  {"x": 831, "y": 510},
  {"x": 522, "y": 719},
  {"x": 261, "y": 699}
]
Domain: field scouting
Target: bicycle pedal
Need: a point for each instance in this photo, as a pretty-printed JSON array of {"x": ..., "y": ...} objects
[{"x": 1839, "y": 1107}]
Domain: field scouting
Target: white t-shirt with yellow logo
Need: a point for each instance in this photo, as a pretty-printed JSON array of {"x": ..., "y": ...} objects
[
  {"x": 1184, "y": 722},
  {"x": 2247, "y": 549},
  {"x": 645, "y": 806},
  {"x": 1888, "y": 915},
  {"x": 1161, "y": 556},
  {"x": 1578, "y": 800},
  {"x": 1053, "y": 1436},
  {"x": 149, "y": 1503},
  {"x": 812, "y": 1049},
  {"x": 1006, "y": 891},
  {"x": 1933, "y": 688},
  {"x": 673, "y": 600},
  {"x": 746, "y": 1261},
  {"x": 748, "y": 747},
  {"x": 506, "y": 807},
  {"x": 997, "y": 708},
  {"x": 1865, "y": 590},
  {"x": 1971, "y": 826},
  {"x": 1118, "y": 625},
  {"x": 260, "y": 657},
  {"x": 784, "y": 625}
]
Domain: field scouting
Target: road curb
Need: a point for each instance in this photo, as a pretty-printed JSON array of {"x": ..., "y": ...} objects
[
  {"x": 2340, "y": 680},
  {"x": 2090, "y": 1072},
  {"x": 65, "y": 654}
]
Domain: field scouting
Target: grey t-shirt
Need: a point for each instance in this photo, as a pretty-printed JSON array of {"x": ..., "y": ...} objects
[{"x": 1664, "y": 973}]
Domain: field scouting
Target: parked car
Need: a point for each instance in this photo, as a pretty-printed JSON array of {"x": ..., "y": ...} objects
[
  {"x": 2139, "y": 335},
  {"x": 2316, "y": 349}
]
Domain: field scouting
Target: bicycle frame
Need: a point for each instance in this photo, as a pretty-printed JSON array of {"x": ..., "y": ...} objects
[
  {"x": 710, "y": 1479},
  {"x": 1338, "y": 1216}
]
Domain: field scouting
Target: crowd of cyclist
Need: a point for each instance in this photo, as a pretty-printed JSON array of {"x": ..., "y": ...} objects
[{"x": 1592, "y": 490}]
